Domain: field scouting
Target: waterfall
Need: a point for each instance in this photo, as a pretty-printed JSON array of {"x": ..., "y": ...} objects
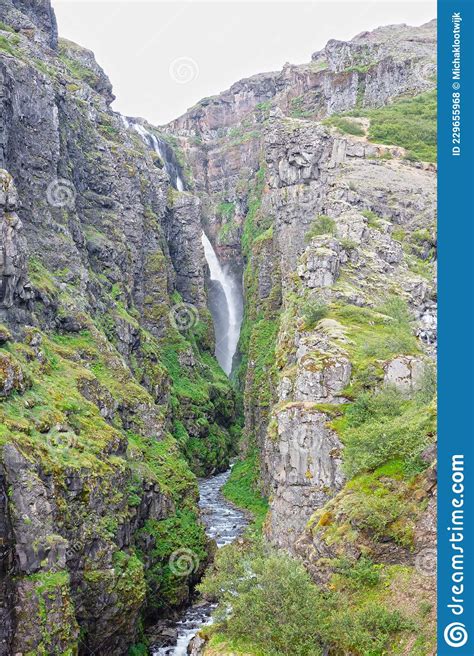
[
  {"x": 225, "y": 291},
  {"x": 165, "y": 153},
  {"x": 125, "y": 121}
]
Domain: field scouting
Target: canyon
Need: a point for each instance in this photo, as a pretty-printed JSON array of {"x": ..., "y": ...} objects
[{"x": 256, "y": 279}]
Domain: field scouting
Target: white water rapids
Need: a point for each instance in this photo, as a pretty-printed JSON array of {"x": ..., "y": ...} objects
[{"x": 224, "y": 523}]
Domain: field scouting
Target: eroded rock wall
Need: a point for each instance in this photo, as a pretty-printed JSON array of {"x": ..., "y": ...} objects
[
  {"x": 107, "y": 398},
  {"x": 337, "y": 236}
]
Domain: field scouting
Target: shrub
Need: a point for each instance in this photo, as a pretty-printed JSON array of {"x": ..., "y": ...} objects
[
  {"x": 314, "y": 311},
  {"x": 139, "y": 649},
  {"x": 360, "y": 573},
  {"x": 372, "y": 512},
  {"x": 383, "y": 438},
  {"x": 267, "y": 604},
  {"x": 397, "y": 309},
  {"x": 242, "y": 488},
  {"x": 321, "y": 225},
  {"x": 410, "y": 123},
  {"x": 428, "y": 385},
  {"x": 226, "y": 210},
  {"x": 348, "y": 244},
  {"x": 368, "y": 630},
  {"x": 388, "y": 402},
  {"x": 373, "y": 220},
  {"x": 274, "y": 602}
]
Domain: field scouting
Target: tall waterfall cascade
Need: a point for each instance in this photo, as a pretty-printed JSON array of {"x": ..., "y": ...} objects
[
  {"x": 225, "y": 293},
  {"x": 228, "y": 320}
]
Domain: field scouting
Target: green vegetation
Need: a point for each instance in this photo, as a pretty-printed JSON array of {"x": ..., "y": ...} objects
[
  {"x": 240, "y": 134},
  {"x": 172, "y": 547},
  {"x": 313, "y": 311},
  {"x": 75, "y": 68},
  {"x": 359, "y": 68},
  {"x": 79, "y": 406},
  {"x": 261, "y": 352},
  {"x": 5, "y": 28},
  {"x": 200, "y": 397},
  {"x": 48, "y": 592},
  {"x": 375, "y": 335},
  {"x": 407, "y": 430},
  {"x": 242, "y": 488},
  {"x": 321, "y": 225},
  {"x": 9, "y": 44},
  {"x": 373, "y": 220},
  {"x": 228, "y": 232},
  {"x": 264, "y": 106},
  {"x": 226, "y": 210},
  {"x": 261, "y": 319},
  {"x": 345, "y": 125},
  {"x": 278, "y": 611},
  {"x": 298, "y": 108},
  {"x": 410, "y": 123},
  {"x": 161, "y": 462},
  {"x": 139, "y": 649},
  {"x": 363, "y": 573},
  {"x": 255, "y": 222}
]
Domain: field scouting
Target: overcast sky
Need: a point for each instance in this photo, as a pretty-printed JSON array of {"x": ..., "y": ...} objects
[{"x": 162, "y": 57}]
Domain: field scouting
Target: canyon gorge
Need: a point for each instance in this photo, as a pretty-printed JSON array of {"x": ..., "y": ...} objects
[{"x": 255, "y": 281}]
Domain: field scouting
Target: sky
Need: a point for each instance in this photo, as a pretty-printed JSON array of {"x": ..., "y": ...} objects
[{"x": 163, "y": 57}]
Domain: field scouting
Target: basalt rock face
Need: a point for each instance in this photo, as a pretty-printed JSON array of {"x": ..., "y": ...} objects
[
  {"x": 106, "y": 396},
  {"x": 108, "y": 388},
  {"x": 35, "y": 18},
  {"x": 334, "y": 224},
  {"x": 222, "y": 135}
]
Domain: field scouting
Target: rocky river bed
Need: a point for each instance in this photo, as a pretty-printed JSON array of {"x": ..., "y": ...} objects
[{"x": 224, "y": 523}]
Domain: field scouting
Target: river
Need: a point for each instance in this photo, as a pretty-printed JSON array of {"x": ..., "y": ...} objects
[{"x": 224, "y": 523}]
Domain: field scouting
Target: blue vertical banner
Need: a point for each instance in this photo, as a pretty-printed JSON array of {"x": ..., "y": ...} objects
[{"x": 456, "y": 327}]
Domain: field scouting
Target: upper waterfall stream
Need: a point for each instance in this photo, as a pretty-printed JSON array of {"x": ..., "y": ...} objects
[{"x": 164, "y": 152}]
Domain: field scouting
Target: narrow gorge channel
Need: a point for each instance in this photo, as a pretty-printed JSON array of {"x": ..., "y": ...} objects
[
  {"x": 224, "y": 523},
  {"x": 131, "y": 377}
]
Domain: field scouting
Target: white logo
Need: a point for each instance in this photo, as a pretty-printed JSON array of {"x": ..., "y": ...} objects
[
  {"x": 61, "y": 193},
  {"x": 425, "y": 562},
  {"x": 183, "y": 70},
  {"x": 183, "y": 562},
  {"x": 183, "y": 316},
  {"x": 455, "y": 635}
]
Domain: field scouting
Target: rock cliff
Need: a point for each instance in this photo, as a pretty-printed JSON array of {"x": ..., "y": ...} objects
[
  {"x": 110, "y": 395},
  {"x": 310, "y": 179},
  {"x": 315, "y": 184}
]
